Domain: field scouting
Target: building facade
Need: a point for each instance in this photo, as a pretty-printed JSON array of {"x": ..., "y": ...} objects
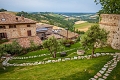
[{"x": 16, "y": 27}]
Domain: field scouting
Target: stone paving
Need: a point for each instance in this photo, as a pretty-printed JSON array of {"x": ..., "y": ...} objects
[
  {"x": 5, "y": 63},
  {"x": 107, "y": 68}
]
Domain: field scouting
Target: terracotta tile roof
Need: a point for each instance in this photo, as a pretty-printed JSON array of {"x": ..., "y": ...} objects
[
  {"x": 8, "y": 18},
  {"x": 70, "y": 34},
  {"x": 55, "y": 35}
]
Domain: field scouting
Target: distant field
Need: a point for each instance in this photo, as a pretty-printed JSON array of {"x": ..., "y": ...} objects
[{"x": 83, "y": 26}]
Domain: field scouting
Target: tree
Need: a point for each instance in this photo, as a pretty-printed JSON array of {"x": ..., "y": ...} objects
[
  {"x": 53, "y": 45},
  {"x": 16, "y": 48},
  {"x": 13, "y": 48},
  {"x": 109, "y": 6},
  {"x": 93, "y": 38},
  {"x": 2, "y": 10}
]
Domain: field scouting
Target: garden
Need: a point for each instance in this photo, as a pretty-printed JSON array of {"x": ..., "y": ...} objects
[{"x": 45, "y": 62}]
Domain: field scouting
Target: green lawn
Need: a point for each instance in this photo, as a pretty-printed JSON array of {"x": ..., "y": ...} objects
[
  {"x": 71, "y": 53},
  {"x": 68, "y": 70},
  {"x": 104, "y": 50},
  {"x": 44, "y": 51}
]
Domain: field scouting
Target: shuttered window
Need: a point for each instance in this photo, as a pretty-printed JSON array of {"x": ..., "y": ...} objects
[{"x": 3, "y": 35}]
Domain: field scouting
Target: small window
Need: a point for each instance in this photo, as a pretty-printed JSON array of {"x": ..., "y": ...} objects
[
  {"x": 2, "y": 27},
  {"x": 3, "y": 35},
  {"x": 12, "y": 26},
  {"x": 28, "y": 25},
  {"x": 42, "y": 34}
]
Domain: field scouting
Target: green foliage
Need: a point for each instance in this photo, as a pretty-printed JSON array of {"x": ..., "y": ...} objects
[
  {"x": 49, "y": 18},
  {"x": 78, "y": 38},
  {"x": 13, "y": 48},
  {"x": 79, "y": 32},
  {"x": 2, "y": 10},
  {"x": 3, "y": 40},
  {"x": 53, "y": 45},
  {"x": 93, "y": 38},
  {"x": 109, "y": 6},
  {"x": 67, "y": 42}
]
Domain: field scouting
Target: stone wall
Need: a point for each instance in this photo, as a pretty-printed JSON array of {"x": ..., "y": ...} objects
[
  {"x": 19, "y": 31},
  {"x": 26, "y": 41},
  {"x": 111, "y": 23}
]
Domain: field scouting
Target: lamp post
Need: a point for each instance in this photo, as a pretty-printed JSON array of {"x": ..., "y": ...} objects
[{"x": 74, "y": 29}]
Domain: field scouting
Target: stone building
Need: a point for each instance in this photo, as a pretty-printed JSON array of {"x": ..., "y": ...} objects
[
  {"x": 43, "y": 30},
  {"x": 15, "y": 27},
  {"x": 111, "y": 23}
]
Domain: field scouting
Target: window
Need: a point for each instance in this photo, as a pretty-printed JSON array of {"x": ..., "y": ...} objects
[
  {"x": 3, "y": 35},
  {"x": 29, "y": 32},
  {"x": 28, "y": 25},
  {"x": 12, "y": 26},
  {"x": 2, "y": 27}
]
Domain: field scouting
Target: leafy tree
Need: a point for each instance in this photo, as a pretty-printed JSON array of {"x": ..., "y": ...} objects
[
  {"x": 53, "y": 45},
  {"x": 2, "y": 10},
  {"x": 49, "y": 18},
  {"x": 16, "y": 48},
  {"x": 33, "y": 46},
  {"x": 13, "y": 48},
  {"x": 93, "y": 38},
  {"x": 109, "y": 6}
]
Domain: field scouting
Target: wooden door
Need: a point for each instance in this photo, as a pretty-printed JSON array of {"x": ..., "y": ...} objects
[{"x": 29, "y": 32}]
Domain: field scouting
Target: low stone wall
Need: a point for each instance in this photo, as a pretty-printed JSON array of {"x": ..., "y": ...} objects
[
  {"x": 5, "y": 63},
  {"x": 25, "y": 41}
]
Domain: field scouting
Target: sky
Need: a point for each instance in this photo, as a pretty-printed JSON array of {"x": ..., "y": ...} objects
[{"x": 50, "y": 5}]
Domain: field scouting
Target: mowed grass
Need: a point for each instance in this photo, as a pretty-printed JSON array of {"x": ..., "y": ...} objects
[
  {"x": 45, "y": 51},
  {"x": 71, "y": 53},
  {"x": 83, "y": 25},
  {"x": 68, "y": 70},
  {"x": 107, "y": 49}
]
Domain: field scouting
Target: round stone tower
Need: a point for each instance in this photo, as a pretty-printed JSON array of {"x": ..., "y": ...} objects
[{"x": 111, "y": 23}]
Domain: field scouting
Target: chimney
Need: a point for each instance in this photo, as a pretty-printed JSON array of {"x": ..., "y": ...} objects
[{"x": 22, "y": 17}]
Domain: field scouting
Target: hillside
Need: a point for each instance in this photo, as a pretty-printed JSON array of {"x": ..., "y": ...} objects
[
  {"x": 50, "y": 18},
  {"x": 64, "y": 20}
]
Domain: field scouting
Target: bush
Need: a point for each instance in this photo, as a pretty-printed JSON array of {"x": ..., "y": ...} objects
[
  {"x": 13, "y": 48},
  {"x": 63, "y": 54},
  {"x": 3, "y": 40}
]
